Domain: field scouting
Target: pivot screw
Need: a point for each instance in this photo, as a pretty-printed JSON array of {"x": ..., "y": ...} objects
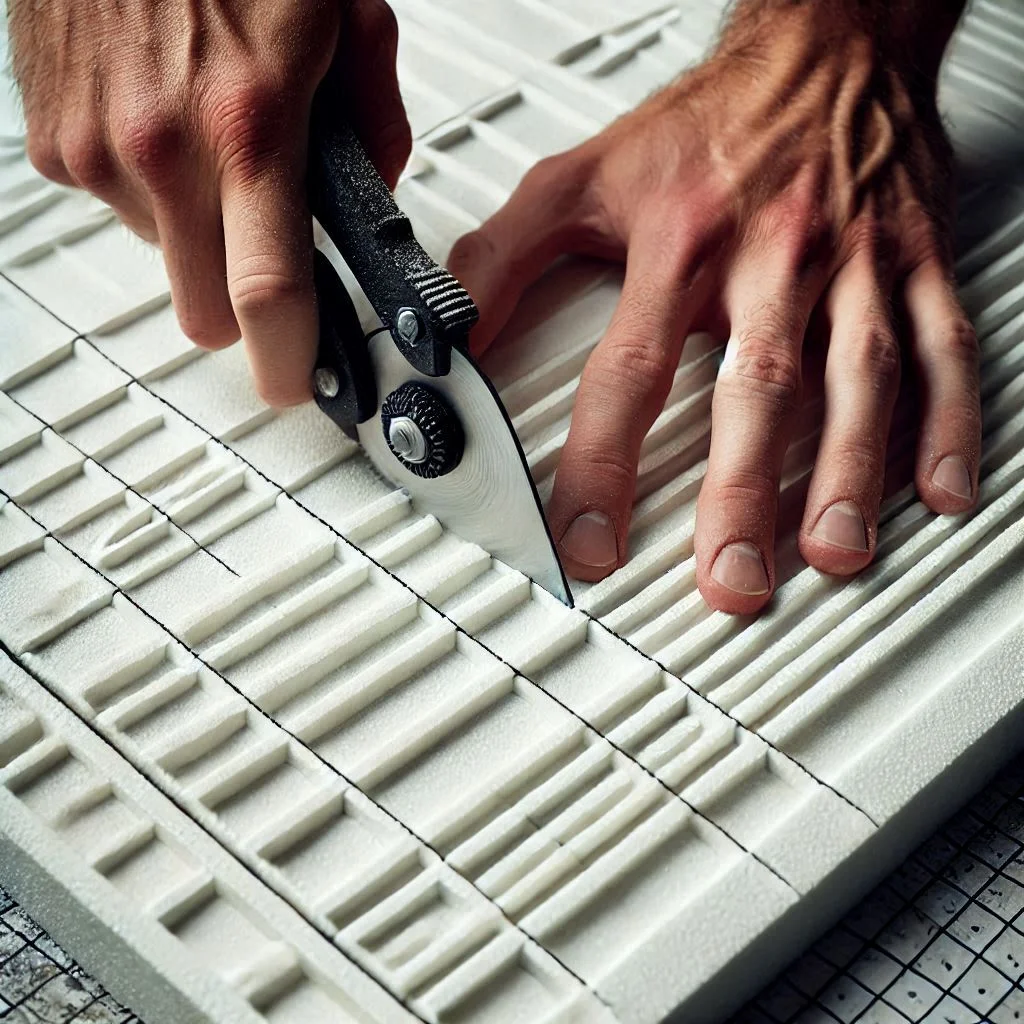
[
  {"x": 326, "y": 382},
  {"x": 408, "y": 325},
  {"x": 407, "y": 440}
]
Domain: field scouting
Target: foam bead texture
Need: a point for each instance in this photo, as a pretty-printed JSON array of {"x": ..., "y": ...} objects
[{"x": 276, "y": 745}]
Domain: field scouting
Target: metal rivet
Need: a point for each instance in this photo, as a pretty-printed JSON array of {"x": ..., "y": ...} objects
[
  {"x": 326, "y": 382},
  {"x": 407, "y": 440},
  {"x": 408, "y": 325}
]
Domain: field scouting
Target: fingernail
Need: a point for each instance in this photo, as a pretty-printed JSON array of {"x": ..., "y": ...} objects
[
  {"x": 952, "y": 475},
  {"x": 740, "y": 568},
  {"x": 590, "y": 540},
  {"x": 842, "y": 526}
]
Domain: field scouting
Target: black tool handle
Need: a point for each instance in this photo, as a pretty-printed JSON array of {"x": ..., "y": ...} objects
[
  {"x": 343, "y": 382},
  {"x": 424, "y": 307}
]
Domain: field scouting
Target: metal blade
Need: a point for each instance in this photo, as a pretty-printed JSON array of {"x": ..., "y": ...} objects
[{"x": 489, "y": 498}]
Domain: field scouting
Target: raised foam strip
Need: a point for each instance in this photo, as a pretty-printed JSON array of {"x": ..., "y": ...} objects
[{"x": 137, "y": 889}]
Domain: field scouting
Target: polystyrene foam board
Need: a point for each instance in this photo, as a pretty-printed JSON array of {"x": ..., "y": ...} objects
[{"x": 456, "y": 790}]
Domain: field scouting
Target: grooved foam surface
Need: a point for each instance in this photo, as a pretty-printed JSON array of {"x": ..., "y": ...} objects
[{"x": 333, "y": 762}]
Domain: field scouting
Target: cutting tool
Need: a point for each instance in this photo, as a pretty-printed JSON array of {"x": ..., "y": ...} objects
[{"x": 426, "y": 415}]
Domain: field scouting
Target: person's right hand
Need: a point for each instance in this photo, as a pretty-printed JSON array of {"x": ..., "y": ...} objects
[{"x": 190, "y": 119}]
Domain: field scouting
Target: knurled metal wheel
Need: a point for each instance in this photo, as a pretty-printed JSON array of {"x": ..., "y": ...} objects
[{"x": 422, "y": 430}]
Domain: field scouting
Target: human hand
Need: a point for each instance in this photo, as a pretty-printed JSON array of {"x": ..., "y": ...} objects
[
  {"x": 190, "y": 119},
  {"x": 802, "y": 169}
]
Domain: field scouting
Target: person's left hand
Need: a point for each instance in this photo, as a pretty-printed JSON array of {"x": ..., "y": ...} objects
[{"x": 798, "y": 169}]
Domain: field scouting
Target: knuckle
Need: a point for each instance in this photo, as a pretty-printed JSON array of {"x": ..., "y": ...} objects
[
  {"x": 768, "y": 354},
  {"x": 712, "y": 207},
  {"x": 813, "y": 245},
  {"x": 746, "y": 488},
  {"x": 876, "y": 355},
  {"x": 472, "y": 249},
  {"x": 394, "y": 139},
  {"x": 244, "y": 123},
  {"x": 563, "y": 178},
  {"x": 960, "y": 341},
  {"x": 88, "y": 161},
  {"x": 923, "y": 239},
  {"x": 797, "y": 234},
  {"x": 631, "y": 360},
  {"x": 381, "y": 22},
  {"x": 686, "y": 243},
  {"x": 770, "y": 369},
  {"x": 869, "y": 237},
  {"x": 545, "y": 172},
  {"x": 607, "y": 467},
  {"x": 859, "y": 453},
  {"x": 864, "y": 234},
  {"x": 262, "y": 286},
  {"x": 150, "y": 145}
]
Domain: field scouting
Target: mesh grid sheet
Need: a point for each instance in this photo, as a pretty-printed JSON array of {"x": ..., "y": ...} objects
[
  {"x": 941, "y": 940},
  {"x": 41, "y": 984},
  {"x": 214, "y": 613}
]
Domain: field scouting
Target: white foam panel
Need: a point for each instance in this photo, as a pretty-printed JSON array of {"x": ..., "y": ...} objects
[{"x": 283, "y": 746}]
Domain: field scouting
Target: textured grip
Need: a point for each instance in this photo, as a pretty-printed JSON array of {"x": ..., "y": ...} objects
[
  {"x": 354, "y": 206},
  {"x": 446, "y": 299}
]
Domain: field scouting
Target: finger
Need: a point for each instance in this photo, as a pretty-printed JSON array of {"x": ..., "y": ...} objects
[
  {"x": 622, "y": 390},
  {"x": 157, "y": 162},
  {"x": 545, "y": 217},
  {"x": 192, "y": 239},
  {"x": 268, "y": 242},
  {"x": 370, "y": 81},
  {"x": 840, "y": 524},
  {"x": 945, "y": 352},
  {"x": 755, "y": 398},
  {"x": 157, "y": 169}
]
